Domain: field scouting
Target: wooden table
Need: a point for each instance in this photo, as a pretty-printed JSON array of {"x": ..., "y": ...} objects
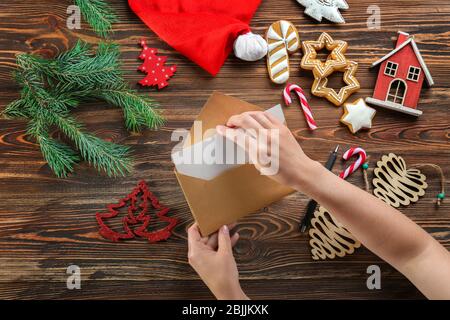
[{"x": 47, "y": 224}]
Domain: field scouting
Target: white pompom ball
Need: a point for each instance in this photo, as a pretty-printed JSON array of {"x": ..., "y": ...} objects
[{"x": 250, "y": 47}]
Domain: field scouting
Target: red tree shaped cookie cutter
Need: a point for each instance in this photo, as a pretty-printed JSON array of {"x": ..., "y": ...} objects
[
  {"x": 154, "y": 66},
  {"x": 137, "y": 219}
]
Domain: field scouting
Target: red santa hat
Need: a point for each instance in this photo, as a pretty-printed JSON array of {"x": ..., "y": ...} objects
[{"x": 205, "y": 31}]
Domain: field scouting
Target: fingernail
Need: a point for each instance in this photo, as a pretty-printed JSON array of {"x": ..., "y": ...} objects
[{"x": 225, "y": 230}]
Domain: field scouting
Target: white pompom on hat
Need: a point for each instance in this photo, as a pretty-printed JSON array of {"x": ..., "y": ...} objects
[{"x": 250, "y": 47}]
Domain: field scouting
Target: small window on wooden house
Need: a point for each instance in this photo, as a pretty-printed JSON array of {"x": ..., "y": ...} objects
[
  {"x": 391, "y": 69},
  {"x": 413, "y": 73}
]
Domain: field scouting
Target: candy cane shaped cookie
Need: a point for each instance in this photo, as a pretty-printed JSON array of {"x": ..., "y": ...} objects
[
  {"x": 303, "y": 103},
  {"x": 354, "y": 166},
  {"x": 282, "y": 38}
]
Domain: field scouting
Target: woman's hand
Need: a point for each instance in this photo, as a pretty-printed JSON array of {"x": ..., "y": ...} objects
[
  {"x": 252, "y": 131},
  {"x": 212, "y": 258}
]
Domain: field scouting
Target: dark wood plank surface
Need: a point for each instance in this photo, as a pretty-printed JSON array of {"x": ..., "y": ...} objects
[{"x": 47, "y": 224}]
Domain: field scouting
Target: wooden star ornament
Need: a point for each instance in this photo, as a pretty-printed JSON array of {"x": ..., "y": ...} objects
[
  {"x": 336, "y": 59},
  {"x": 320, "y": 89},
  {"x": 358, "y": 115},
  {"x": 328, "y": 9}
]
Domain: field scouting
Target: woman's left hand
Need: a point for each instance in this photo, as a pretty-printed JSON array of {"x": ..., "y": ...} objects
[{"x": 212, "y": 258}]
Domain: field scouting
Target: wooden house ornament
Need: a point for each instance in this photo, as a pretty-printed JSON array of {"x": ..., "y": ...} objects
[{"x": 400, "y": 78}]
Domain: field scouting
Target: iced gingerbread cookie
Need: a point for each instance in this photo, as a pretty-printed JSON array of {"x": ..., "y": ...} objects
[
  {"x": 283, "y": 39},
  {"x": 357, "y": 115},
  {"x": 335, "y": 60},
  {"x": 320, "y": 89}
]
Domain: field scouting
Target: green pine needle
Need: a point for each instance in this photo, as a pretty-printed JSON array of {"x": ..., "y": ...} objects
[
  {"x": 136, "y": 109},
  {"x": 60, "y": 157},
  {"x": 52, "y": 88},
  {"x": 15, "y": 110},
  {"x": 98, "y": 14},
  {"x": 94, "y": 71},
  {"x": 106, "y": 156}
]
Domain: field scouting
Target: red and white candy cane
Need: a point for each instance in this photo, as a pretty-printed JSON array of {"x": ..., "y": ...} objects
[
  {"x": 303, "y": 103},
  {"x": 354, "y": 166}
]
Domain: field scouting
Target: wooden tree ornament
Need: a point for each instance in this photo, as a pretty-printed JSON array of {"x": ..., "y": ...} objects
[
  {"x": 158, "y": 74},
  {"x": 395, "y": 184},
  {"x": 329, "y": 238}
]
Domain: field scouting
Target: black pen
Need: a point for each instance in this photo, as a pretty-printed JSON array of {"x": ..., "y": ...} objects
[{"x": 312, "y": 205}]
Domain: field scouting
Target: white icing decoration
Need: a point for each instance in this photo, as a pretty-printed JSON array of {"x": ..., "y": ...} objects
[
  {"x": 291, "y": 36},
  {"x": 281, "y": 66},
  {"x": 359, "y": 115},
  {"x": 328, "y": 9},
  {"x": 277, "y": 55},
  {"x": 284, "y": 28},
  {"x": 271, "y": 34},
  {"x": 282, "y": 78},
  {"x": 274, "y": 45},
  {"x": 293, "y": 46}
]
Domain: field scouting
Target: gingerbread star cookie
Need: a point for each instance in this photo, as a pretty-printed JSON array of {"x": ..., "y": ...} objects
[
  {"x": 357, "y": 116},
  {"x": 336, "y": 59},
  {"x": 320, "y": 89}
]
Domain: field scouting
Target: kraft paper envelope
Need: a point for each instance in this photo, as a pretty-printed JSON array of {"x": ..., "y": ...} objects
[{"x": 237, "y": 190}]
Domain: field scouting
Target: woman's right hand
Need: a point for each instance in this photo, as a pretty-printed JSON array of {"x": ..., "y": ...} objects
[{"x": 247, "y": 128}]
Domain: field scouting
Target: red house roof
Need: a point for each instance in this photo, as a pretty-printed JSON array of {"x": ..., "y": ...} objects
[{"x": 409, "y": 41}]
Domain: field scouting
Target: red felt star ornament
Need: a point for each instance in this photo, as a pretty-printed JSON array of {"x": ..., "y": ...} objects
[
  {"x": 158, "y": 74},
  {"x": 137, "y": 219}
]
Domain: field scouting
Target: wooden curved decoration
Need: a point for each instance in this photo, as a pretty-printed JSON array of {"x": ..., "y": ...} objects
[
  {"x": 396, "y": 185},
  {"x": 329, "y": 238}
]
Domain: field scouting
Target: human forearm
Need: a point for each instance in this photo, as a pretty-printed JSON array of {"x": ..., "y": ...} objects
[
  {"x": 370, "y": 220},
  {"x": 381, "y": 228}
]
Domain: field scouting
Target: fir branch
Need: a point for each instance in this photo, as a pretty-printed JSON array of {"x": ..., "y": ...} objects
[
  {"x": 37, "y": 97},
  {"x": 78, "y": 53},
  {"x": 38, "y": 126},
  {"x": 106, "y": 156},
  {"x": 53, "y": 110},
  {"x": 95, "y": 71},
  {"x": 60, "y": 157},
  {"x": 51, "y": 88},
  {"x": 76, "y": 68},
  {"x": 98, "y": 14},
  {"x": 15, "y": 109},
  {"x": 49, "y": 67},
  {"x": 139, "y": 111}
]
